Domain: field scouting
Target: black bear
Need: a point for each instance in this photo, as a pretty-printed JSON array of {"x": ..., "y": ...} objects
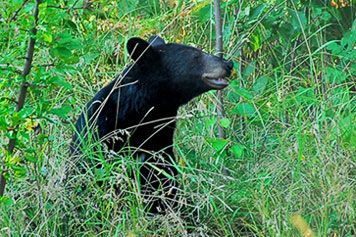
[{"x": 137, "y": 111}]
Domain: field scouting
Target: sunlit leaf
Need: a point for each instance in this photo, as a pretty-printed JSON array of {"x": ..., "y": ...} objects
[
  {"x": 225, "y": 122},
  {"x": 6, "y": 201},
  {"x": 217, "y": 144},
  {"x": 237, "y": 150},
  {"x": 20, "y": 171}
]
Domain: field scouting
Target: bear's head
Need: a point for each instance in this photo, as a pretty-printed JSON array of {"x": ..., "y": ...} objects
[{"x": 181, "y": 71}]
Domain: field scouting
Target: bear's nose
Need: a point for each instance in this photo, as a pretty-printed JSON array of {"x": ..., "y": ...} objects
[{"x": 230, "y": 64}]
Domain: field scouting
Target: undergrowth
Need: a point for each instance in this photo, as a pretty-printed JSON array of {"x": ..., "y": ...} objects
[{"x": 286, "y": 168}]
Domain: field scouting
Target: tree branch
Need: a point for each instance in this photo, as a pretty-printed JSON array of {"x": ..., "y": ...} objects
[
  {"x": 219, "y": 53},
  {"x": 4, "y": 67}
]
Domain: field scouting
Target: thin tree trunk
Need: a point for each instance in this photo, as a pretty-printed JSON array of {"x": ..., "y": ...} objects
[
  {"x": 219, "y": 53},
  {"x": 23, "y": 90}
]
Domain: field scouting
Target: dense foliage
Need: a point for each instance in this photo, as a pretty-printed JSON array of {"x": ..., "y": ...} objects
[{"x": 288, "y": 162}]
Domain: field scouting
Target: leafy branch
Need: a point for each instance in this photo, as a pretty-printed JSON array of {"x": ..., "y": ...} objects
[{"x": 23, "y": 90}]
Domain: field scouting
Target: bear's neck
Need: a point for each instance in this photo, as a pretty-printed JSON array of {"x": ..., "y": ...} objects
[{"x": 139, "y": 99}]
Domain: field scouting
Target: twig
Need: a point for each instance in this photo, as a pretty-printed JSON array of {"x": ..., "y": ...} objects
[
  {"x": 9, "y": 99},
  {"x": 75, "y": 3},
  {"x": 5, "y": 68},
  {"x": 47, "y": 65},
  {"x": 17, "y": 12}
]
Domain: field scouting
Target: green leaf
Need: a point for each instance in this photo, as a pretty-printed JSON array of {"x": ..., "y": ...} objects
[
  {"x": 61, "y": 81},
  {"x": 306, "y": 95},
  {"x": 48, "y": 37},
  {"x": 3, "y": 124},
  {"x": 217, "y": 144},
  {"x": 246, "y": 11},
  {"x": 90, "y": 56},
  {"x": 202, "y": 11},
  {"x": 20, "y": 171},
  {"x": 64, "y": 38},
  {"x": 250, "y": 68},
  {"x": 260, "y": 85},
  {"x": 6, "y": 201},
  {"x": 62, "y": 52},
  {"x": 210, "y": 122},
  {"x": 225, "y": 122},
  {"x": 16, "y": 118},
  {"x": 61, "y": 112},
  {"x": 256, "y": 12},
  {"x": 72, "y": 60},
  {"x": 349, "y": 38},
  {"x": 236, "y": 66},
  {"x": 256, "y": 40},
  {"x": 31, "y": 158},
  {"x": 29, "y": 7},
  {"x": 244, "y": 93},
  {"x": 42, "y": 138},
  {"x": 74, "y": 44},
  {"x": 335, "y": 48},
  {"x": 237, "y": 150},
  {"x": 244, "y": 109},
  {"x": 70, "y": 24},
  {"x": 298, "y": 20},
  {"x": 354, "y": 25}
]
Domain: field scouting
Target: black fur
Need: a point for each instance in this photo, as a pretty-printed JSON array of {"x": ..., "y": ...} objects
[{"x": 145, "y": 99}]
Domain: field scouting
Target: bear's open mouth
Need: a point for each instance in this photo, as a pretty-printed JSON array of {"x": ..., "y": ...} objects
[{"x": 216, "y": 83}]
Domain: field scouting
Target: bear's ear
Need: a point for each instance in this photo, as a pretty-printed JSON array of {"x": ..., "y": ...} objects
[
  {"x": 156, "y": 40},
  {"x": 138, "y": 48}
]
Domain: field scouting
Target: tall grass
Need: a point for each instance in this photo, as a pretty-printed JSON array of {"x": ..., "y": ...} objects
[{"x": 299, "y": 156}]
